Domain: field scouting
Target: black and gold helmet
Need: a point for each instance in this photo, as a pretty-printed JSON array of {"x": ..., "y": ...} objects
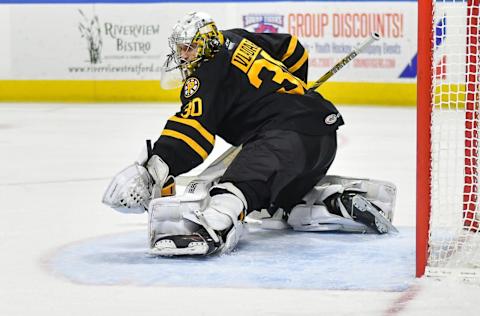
[{"x": 194, "y": 39}]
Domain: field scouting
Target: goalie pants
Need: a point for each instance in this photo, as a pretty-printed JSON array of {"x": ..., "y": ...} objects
[{"x": 278, "y": 167}]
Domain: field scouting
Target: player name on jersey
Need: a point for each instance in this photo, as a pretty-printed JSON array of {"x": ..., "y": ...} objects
[{"x": 245, "y": 54}]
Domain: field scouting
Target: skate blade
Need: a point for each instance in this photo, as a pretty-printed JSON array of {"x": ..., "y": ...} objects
[
  {"x": 317, "y": 228},
  {"x": 334, "y": 227},
  {"x": 381, "y": 222},
  {"x": 167, "y": 248}
]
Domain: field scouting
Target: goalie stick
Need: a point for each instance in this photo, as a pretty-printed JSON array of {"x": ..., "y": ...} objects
[
  {"x": 345, "y": 60},
  {"x": 218, "y": 167}
]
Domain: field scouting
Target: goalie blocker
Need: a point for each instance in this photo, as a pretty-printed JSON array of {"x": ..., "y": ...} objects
[{"x": 177, "y": 227}]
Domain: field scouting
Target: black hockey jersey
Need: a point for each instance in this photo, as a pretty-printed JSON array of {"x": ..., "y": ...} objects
[{"x": 255, "y": 82}]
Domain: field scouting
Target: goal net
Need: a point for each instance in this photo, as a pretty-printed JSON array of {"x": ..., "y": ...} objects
[{"x": 448, "y": 218}]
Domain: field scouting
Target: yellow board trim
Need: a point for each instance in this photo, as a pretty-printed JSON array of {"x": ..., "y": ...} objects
[
  {"x": 291, "y": 48},
  {"x": 190, "y": 142},
  {"x": 299, "y": 63},
  {"x": 369, "y": 93},
  {"x": 86, "y": 91},
  {"x": 341, "y": 93},
  {"x": 196, "y": 125}
]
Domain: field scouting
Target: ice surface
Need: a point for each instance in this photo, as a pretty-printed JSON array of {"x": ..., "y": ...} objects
[
  {"x": 63, "y": 253},
  {"x": 263, "y": 259}
]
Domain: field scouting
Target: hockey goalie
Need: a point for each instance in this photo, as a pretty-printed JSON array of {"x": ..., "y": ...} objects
[{"x": 251, "y": 90}]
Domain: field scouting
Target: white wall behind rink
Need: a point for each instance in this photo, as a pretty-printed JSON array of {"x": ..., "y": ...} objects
[
  {"x": 5, "y": 46},
  {"x": 44, "y": 41}
]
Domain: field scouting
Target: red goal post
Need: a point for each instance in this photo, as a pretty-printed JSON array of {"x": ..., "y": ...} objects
[{"x": 448, "y": 215}]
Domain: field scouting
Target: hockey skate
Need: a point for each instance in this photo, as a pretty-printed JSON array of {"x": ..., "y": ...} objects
[
  {"x": 364, "y": 212},
  {"x": 199, "y": 243}
]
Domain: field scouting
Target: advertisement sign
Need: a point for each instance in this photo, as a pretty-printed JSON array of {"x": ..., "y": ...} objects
[
  {"x": 331, "y": 30},
  {"x": 87, "y": 42},
  {"x": 129, "y": 41}
]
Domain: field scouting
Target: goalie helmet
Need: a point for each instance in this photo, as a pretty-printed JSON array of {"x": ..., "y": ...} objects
[{"x": 194, "y": 40}]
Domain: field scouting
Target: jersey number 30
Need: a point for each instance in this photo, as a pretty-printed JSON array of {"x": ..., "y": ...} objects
[{"x": 193, "y": 108}]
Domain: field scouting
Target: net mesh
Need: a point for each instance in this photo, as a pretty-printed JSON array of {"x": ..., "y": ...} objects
[{"x": 454, "y": 242}]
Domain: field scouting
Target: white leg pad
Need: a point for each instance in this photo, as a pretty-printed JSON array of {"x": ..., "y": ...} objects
[
  {"x": 173, "y": 215},
  {"x": 318, "y": 218},
  {"x": 315, "y": 216},
  {"x": 182, "y": 217},
  {"x": 380, "y": 193}
]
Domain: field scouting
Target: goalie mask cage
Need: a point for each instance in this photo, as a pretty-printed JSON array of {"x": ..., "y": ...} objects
[{"x": 448, "y": 237}]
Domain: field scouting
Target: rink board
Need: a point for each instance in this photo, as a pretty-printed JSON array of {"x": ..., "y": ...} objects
[
  {"x": 114, "y": 50},
  {"x": 263, "y": 259}
]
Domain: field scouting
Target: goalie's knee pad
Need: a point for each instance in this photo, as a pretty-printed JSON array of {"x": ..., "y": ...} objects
[
  {"x": 226, "y": 205},
  {"x": 224, "y": 215}
]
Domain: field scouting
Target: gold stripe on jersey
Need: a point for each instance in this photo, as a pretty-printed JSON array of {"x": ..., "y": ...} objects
[
  {"x": 299, "y": 63},
  {"x": 291, "y": 48},
  {"x": 187, "y": 140},
  {"x": 197, "y": 126},
  {"x": 245, "y": 55}
]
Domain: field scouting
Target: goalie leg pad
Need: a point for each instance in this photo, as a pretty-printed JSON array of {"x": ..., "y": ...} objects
[
  {"x": 171, "y": 233},
  {"x": 318, "y": 218},
  {"x": 178, "y": 226},
  {"x": 381, "y": 194},
  {"x": 346, "y": 204}
]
